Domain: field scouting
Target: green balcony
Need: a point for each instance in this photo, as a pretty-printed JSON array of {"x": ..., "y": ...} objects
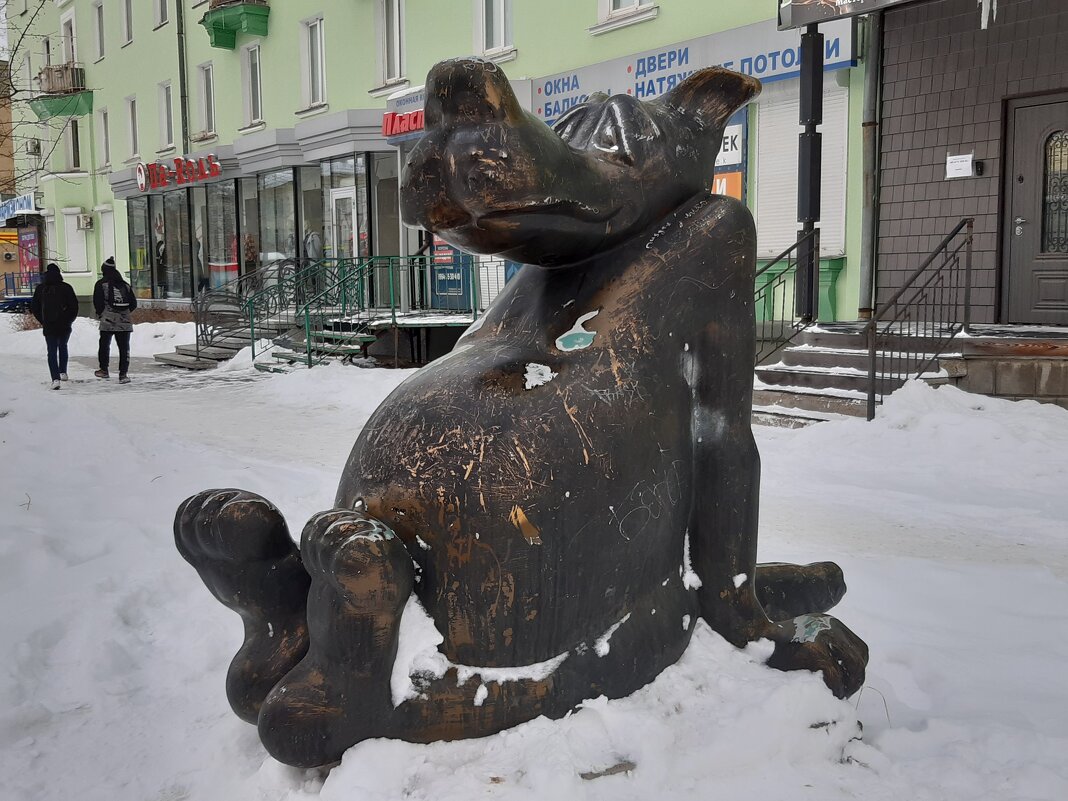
[
  {"x": 77, "y": 104},
  {"x": 225, "y": 20}
]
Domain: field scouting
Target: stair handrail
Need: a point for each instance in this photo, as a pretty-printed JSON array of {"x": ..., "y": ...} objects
[
  {"x": 285, "y": 297},
  {"x": 910, "y": 317},
  {"x": 771, "y": 294},
  {"x": 345, "y": 299},
  {"x": 210, "y": 323}
]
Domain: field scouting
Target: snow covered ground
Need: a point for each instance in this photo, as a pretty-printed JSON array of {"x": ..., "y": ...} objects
[{"x": 949, "y": 515}]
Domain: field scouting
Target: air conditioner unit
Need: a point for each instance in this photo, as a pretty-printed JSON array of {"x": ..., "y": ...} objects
[
  {"x": 33, "y": 147},
  {"x": 85, "y": 222}
]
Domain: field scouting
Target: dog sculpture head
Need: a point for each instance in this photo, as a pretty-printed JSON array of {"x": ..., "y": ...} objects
[{"x": 489, "y": 177}]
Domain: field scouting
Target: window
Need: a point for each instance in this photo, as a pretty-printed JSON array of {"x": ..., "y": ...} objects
[
  {"x": 131, "y": 120},
  {"x": 74, "y": 147},
  {"x": 776, "y": 169},
  {"x": 496, "y": 27},
  {"x": 253, "y": 89},
  {"x": 207, "y": 97},
  {"x": 392, "y": 41},
  {"x": 1055, "y": 196},
  {"x": 127, "y": 21},
  {"x": 613, "y": 14},
  {"x": 46, "y": 51},
  {"x": 66, "y": 27},
  {"x": 166, "y": 116},
  {"x": 98, "y": 26},
  {"x": 105, "y": 137},
  {"x": 161, "y": 12},
  {"x": 314, "y": 63}
]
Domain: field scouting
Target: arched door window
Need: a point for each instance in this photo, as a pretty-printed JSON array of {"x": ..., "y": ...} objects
[{"x": 1055, "y": 196}]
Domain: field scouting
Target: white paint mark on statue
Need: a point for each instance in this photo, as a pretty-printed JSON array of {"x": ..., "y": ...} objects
[{"x": 537, "y": 375}]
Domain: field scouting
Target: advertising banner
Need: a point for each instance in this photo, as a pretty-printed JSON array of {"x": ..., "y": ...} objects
[{"x": 760, "y": 50}]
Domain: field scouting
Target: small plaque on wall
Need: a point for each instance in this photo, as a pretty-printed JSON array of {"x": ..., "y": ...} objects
[{"x": 959, "y": 166}]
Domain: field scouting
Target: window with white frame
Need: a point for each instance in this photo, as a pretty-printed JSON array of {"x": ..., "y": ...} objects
[
  {"x": 252, "y": 86},
  {"x": 161, "y": 11},
  {"x": 131, "y": 122},
  {"x": 314, "y": 63},
  {"x": 66, "y": 28},
  {"x": 105, "y": 136},
  {"x": 127, "y": 21},
  {"x": 207, "y": 98},
  {"x": 98, "y": 27},
  {"x": 495, "y": 26},
  {"x": 166, "y": 116},
  {"x": 776, "y": 169},
  {"x": 612, "y": 14},
  {"x": 46, "y": 51},
  {"x": 391, "y": 17},
  {"x": 74, "y": 146}
]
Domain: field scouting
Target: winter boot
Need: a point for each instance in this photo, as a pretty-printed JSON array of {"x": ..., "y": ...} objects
[
  {"x": 101, "y": 374},
  {"x": 123, "y": 378}
]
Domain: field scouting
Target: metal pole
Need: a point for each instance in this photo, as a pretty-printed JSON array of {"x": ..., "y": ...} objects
[
  {"x": 871, "y": 368},
  {"x": 873, "y": 69},
  {"x": 809, "y": 168},
  {"x": 968, "y": 277}
]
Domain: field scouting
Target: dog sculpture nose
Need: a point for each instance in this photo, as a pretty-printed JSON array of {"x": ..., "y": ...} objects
[{"x": 469, "y": 90}]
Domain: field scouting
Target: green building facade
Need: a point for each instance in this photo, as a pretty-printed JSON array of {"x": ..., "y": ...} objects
[{"x": 196, "y": 140}]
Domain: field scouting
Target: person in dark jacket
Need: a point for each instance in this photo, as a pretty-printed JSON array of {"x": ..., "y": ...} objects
[
  {"x": 55, "y": 307},
  {"x": 114, "y": 300}
]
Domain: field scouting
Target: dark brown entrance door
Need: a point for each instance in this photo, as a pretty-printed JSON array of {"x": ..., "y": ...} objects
[{"x": 1036, "y": 222}]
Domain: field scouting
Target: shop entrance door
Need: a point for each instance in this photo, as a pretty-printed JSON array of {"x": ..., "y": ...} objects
[
  {"x": 343, "y": 205},
  {"x": 1036, "y": 212}
]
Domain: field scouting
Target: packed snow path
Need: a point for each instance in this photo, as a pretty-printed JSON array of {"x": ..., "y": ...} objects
[{"x": 949, "y": 515}]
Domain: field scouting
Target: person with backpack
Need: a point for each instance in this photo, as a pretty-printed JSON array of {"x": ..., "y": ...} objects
[
  {"x": 114, "y": 300},
  {"x": 55, "y": 307}
]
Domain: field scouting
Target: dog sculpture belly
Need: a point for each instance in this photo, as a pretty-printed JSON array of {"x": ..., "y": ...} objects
[
  {"x": 576, "y": 483},
  {"x": 514, "y": 471}
]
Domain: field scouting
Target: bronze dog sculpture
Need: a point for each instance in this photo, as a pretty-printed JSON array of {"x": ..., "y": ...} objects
[{"x": 571, "y": 487}]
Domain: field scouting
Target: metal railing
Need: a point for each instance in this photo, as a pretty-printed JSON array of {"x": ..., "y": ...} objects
[
  {"x": 21, "y": 283},
  {"x": 220, "y": 312},
  {"x": 277, "y": 308},
  {"x": 396, "y": 291},
  {"x": 773, "y": 300},
  {"x": 908, "y": 332}
]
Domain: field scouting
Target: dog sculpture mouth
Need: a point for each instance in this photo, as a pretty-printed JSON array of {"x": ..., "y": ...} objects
[{"x": 563, "y": 208}]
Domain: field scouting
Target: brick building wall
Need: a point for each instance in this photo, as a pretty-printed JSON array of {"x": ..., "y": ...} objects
[{"x": 945, "y": 86}]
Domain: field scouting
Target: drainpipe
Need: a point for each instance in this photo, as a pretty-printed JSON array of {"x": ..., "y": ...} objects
[
  {"x": 183, "y": 84},
  {"x": 869, "y": 219}
]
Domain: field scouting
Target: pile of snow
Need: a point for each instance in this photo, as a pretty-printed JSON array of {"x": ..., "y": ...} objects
[
  {"x": 947, "y": 514},
  {"x": 148, "y": 339}
]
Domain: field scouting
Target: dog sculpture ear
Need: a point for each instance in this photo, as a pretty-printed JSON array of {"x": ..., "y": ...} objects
[
  {"x": 710, "y": 96},
  {"x": 469, "y": 90}
]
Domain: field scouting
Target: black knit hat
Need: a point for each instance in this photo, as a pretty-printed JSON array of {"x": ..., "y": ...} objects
[
  {"x": 53, "y": 268},
  {"x": 109, "y": 263}
]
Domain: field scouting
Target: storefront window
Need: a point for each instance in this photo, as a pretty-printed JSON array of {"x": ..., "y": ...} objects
[
  {"x": 176, "y": 269},
  {"x": 199, "y": 199},
  {"x": 249, "y": 211},
  {"x": 311, "y": 213},
  {"x": 221, "y": 248},
  {"x": 278, "y": 215},
  {"x": 140, "y": 247},
  {"x": 158, "y": 245},
  {"x": 385, "y": 200}
]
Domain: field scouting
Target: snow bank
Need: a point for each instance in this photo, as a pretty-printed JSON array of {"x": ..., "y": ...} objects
[
  {"x": 148, "y": 338},
  {"x": 947, "y": 515}
]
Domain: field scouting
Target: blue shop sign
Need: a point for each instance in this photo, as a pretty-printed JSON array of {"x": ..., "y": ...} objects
[{"x": 450, "y": 286}]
